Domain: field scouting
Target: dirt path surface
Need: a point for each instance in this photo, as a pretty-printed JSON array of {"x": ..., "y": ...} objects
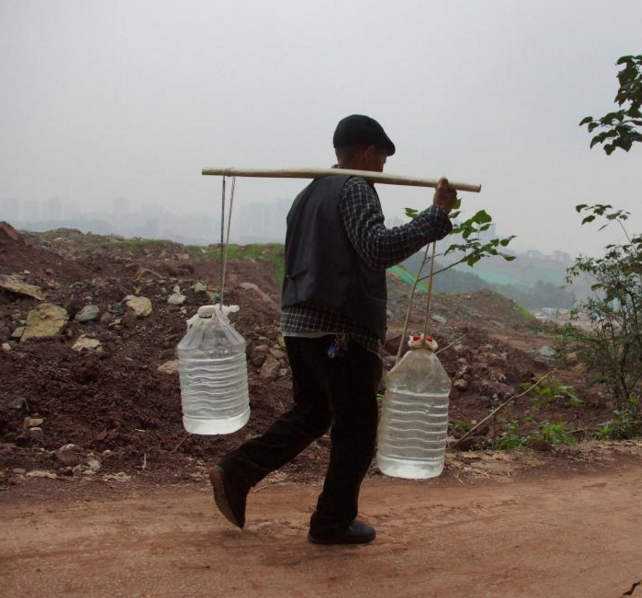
[{"x": 563, "y": 536}]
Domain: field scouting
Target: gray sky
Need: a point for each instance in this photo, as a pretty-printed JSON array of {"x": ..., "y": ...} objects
[{"x": 133, "y": 97}]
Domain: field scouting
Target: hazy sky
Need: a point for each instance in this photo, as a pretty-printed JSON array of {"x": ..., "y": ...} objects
[{"x": 134, "y": 97}]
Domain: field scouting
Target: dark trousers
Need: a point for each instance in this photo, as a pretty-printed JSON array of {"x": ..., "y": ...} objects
[{"x": 340, "y": 392}]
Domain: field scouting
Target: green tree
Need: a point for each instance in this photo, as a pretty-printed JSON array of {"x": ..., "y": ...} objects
[
  {"x": 621, "y": 128},
  {"x": 615, "y": 308}
]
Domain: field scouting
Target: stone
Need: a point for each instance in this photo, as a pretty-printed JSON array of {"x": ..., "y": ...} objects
[
  {"x": 283, "y": 372},
  {"x": 93, "y": 464},
  {"x": 18, "y": 332},
  {"x": 14, "y": 284},
  {"x": 438, "y": 319},
  {"x": 270, "y": 368},
  {"x": 106, "y": 318},
  {"x": 69, "y": 457},
  {"x": 460, "y": 384},
  {"x": 140, "y": 306},
  {"x": 250, "y": 286},
  {"x": 86, "y": 343},
  {"x": 6, "y": 347},
  {"x": 571, "y": 358},
  {"x": 33, "y": 422},
  {"x": 87, "y": 314},
  {"x": 169, "y": 367},
  {"x": 199, "y": 287},
  {"x": 176, "y": 298},
  {"x": 42, "y": 474},
  {"x": 547, "y": 351},
  {"x": 277, "y": 353},
  {"x": 46, "y": 320}
]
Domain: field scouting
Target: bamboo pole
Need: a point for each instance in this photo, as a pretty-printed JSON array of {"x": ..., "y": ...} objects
[{"x": 315, "y": 173}]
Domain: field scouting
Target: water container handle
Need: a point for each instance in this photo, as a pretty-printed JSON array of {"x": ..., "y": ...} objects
[{"x": 207, "y": 311}]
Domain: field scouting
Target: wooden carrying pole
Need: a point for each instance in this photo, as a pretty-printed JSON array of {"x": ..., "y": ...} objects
[{"x": 315, "y": 173}]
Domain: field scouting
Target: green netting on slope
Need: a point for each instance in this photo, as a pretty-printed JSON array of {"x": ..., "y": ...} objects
[{"x": 402, "y": 274}]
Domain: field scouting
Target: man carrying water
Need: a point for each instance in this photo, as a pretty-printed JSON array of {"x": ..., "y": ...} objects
[{"x": 333, "y": 318}]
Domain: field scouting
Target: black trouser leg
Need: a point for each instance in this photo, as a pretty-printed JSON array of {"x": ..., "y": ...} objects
[
  {"x": 354, "y": 380},
  {"x": 309, "y": 419}
]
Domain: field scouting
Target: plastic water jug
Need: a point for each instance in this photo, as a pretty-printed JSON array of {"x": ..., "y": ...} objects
[
  {"x": 213, "y": 375},
  {"x": 414, "y": 419}
]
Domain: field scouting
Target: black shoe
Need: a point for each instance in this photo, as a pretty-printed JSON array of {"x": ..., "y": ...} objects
[
  {"x": 358, "y": 532},
  {"x": 230, "y": 499}
]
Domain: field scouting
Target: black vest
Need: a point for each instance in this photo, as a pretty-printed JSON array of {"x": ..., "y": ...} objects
[{"x": 321, "y": 265}]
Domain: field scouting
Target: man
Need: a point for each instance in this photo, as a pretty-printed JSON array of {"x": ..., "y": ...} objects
[{"x": 337, "y": 250}]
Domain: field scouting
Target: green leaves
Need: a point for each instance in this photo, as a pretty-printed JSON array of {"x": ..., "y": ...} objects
[{"x": 620, "y": 127}]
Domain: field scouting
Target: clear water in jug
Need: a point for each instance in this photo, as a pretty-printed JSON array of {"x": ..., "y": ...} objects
[
  {"x": 413, "y": 427},
  {"x": 213, "y": 375}
]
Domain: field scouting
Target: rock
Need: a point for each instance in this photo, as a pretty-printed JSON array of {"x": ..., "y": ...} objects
[
  {"x": 19, "y": 403},
  {"x": 547, "y": 351},
  {"x": 199, "y": 287},
  {"x": 571, "y": 358},
  {"x": 438, "y": 319},
  {"x": 283, "y": 372},
  {"x": 140, "y": 306},
  {"x": 258, "y": 355},
  {"x": 176, "y": 298},
  {"x": 250, "y": 286},
  {"x": 33, "y": 422},
  {"x": 18, "y": 332},
  {"x": 277, "y": 353},
  {"x": 169, "y": 367},
  {"x": 87, "y": 314},
  {"x": 6, "y": 347},
  {"x": 42, "y": 474},
  {"x": 46, "y": 320},
  {"x": 270, "y": 368},
  {"x": 68, "y": 456},
  {"x": 14, "y": 284},
  {"x": 106, "y": 318},
  {"x": 86, "y": 343},
  {"x": 93, "y": 465},
  {"x": 539, "y": 445},
  {"x": 460, "y": 384}
]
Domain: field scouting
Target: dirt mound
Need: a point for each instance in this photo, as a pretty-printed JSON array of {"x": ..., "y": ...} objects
[
  {"x": 43, "y": 267},
  {"x": 119, "y": 410}
]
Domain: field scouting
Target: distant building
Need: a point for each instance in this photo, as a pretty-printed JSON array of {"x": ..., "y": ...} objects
[
  {"x": 562, "y": 257},
  {"x": 52, "y": 210},
  {"x": 120, "y": 209},
  {"x": 31, "y": 211}
]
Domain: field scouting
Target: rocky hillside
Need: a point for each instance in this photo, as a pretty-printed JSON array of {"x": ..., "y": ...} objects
[{"x": 88, "y": 372}]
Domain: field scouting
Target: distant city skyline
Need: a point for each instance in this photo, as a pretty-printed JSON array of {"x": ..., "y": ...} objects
[{"x": 252, "y": 222}]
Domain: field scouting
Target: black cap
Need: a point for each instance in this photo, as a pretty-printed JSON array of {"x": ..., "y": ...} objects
[{"x": 360, "y": 129}]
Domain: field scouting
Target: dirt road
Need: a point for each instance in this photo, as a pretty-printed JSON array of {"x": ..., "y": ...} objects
[{"x": 576, "y": 536}]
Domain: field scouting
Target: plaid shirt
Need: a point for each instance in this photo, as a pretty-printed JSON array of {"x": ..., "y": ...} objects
[{"x": 379, "y": 247}]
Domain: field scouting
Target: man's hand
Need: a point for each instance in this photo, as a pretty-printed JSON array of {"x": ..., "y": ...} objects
[{"x": 444, "y": 196}]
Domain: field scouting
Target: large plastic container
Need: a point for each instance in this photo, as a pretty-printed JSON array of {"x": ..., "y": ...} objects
[
  {"x": 414, "y": 419},
  {"x": 213, "y": 375}
]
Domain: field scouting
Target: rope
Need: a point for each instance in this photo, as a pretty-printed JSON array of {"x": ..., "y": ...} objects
[
  {"x": 222, "y": 242},
  {"x": 429, "y": 294},
  {"x": 225, "y": 241}
]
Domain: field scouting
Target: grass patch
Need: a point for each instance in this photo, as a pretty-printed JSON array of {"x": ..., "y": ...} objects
[{"x": 272, "y": 252}]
